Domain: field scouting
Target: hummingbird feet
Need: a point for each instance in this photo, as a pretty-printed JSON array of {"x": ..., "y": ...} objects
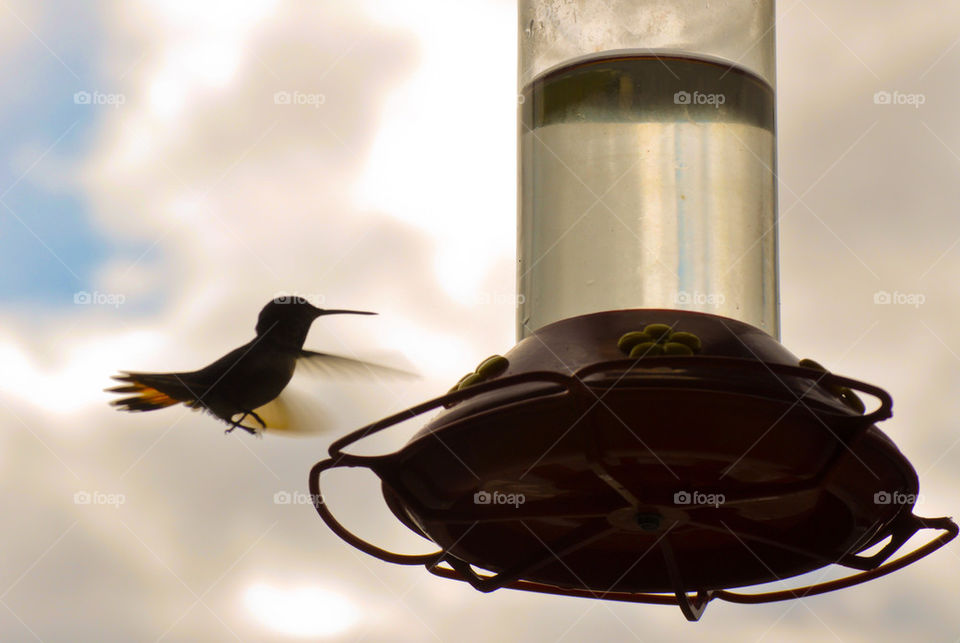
[{"x": 251, "y": 430}]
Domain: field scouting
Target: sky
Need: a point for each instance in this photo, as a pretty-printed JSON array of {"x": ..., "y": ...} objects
[{"x": 157, "y": 188}]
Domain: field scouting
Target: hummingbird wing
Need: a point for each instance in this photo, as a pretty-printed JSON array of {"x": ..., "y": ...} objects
[
  {"x": 294, "y": 415},
  {"x": 338, "y": 365}
]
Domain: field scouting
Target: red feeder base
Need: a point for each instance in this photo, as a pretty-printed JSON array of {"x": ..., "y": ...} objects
[{"x": 582, "y": 472}]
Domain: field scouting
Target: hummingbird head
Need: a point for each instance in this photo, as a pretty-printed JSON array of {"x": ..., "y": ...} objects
[{"x": 288, "y": 319}]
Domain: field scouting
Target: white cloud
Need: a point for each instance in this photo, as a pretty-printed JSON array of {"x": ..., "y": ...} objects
[
  {"x": 395, "y": 194},
  {"x": 301, "y": 611},
  {"x": 442, "y": 158}
]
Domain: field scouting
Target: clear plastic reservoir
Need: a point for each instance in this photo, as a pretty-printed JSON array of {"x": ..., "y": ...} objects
[{"x": 647, "y": 159}]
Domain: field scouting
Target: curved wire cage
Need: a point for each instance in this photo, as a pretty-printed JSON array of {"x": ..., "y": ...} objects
[{"x": 603, "y": 455}]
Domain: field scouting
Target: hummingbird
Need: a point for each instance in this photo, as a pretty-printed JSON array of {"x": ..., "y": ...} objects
[{"x": 248, "y": 377}]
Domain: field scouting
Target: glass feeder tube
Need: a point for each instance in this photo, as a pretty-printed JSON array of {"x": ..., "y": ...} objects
[{"x": 647, "y": 169}]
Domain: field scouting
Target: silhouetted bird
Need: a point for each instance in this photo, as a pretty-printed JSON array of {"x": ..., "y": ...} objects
[{"x": 248, "y": 377}]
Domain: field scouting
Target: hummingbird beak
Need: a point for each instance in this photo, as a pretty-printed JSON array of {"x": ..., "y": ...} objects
[{"x": 320, "y": 312}]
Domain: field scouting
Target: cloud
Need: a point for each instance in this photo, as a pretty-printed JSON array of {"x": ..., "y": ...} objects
[{"x": 363, "y": 152}]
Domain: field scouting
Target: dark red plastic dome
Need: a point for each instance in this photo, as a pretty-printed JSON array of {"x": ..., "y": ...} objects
[{"x": 581, "y": 471}]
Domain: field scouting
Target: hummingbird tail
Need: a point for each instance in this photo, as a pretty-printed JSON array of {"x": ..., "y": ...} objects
[{"x": 152, "y": 391}]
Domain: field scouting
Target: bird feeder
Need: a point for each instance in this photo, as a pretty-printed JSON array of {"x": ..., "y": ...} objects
[{"x": 648, "y": 439}]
